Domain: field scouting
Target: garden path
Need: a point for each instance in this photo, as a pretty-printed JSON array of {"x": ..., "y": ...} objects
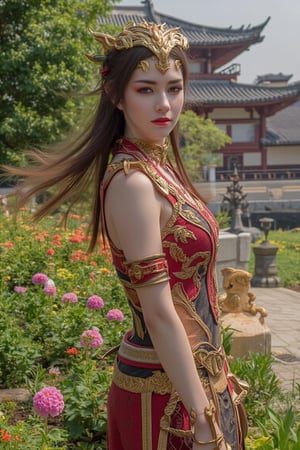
[{"x": 283, "y": 307}]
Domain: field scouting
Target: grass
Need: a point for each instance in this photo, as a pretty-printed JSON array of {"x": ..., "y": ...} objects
[{"x": 287, "y": 257}]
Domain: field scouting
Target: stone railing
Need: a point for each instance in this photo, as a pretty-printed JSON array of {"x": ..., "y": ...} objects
[{"x": 234, "y": 251}]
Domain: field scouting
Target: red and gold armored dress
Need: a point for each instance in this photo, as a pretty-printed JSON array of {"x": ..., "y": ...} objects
[{"x": 144, "y": 411}]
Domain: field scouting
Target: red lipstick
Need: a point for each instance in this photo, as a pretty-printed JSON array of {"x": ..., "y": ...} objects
[{"x": 161, "y": 121}]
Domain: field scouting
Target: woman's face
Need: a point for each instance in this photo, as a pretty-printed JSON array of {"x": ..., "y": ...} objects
[{"x": 152, "y": 102}]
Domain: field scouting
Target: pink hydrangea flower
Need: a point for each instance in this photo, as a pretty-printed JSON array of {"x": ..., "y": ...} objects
[
  {"x": 54, "y": 371},
  {"x": 50, "y": 288},
  {"x": 95, "y": 302},
  {"x": 115, "y": 314},
  {"x": 20, "y": 289},
  {"x": 50, "y": 291},
  {"x": 39, "y": 278},
  {"x": 91, "y": 338},
  {"x": 69, "y": 297},
  {"x": 48, "y": 401}
]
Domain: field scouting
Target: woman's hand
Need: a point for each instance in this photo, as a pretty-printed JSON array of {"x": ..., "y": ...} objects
[{"x": 203, "y": 434}]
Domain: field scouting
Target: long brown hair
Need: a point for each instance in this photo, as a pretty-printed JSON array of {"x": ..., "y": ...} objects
[{"x": 71, "y": 169}]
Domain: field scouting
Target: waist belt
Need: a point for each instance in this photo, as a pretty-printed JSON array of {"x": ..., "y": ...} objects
[
  {"x": 137, "y": 355},
  {"x": 209, "y": 358}
]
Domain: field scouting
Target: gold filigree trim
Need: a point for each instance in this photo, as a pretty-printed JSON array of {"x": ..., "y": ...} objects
[
  {"x": 159, "y": 382},
  {"x": 212, "y": 360},
  {"x": 195, "y": 219},
  {"x": 147, "y": 420},
  {"x": 139, "y": 354},
  {"x": 188, "y": 269},
  {"x": 159, "y": 182},
  {"x": 180, "y": 299},
  {"x": 157, "y": 152},
  {"x": 128, "y": 164},
  {"x": 144, "y": 65},
  {"x": 156, "y": 37}
]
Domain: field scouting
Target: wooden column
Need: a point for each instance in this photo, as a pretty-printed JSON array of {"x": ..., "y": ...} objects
[{"x": 262, "y": 135}]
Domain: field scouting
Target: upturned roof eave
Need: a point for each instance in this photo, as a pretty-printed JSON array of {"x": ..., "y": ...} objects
[
  {"x": 192, "y": 25},
  {"x": 215, "y": 37},
  {"x": 117, "y": 10},
  {"x": 280, "y": 142},
  {"x": 226, "y": 94},
  {"x": 236, "y": 103}
]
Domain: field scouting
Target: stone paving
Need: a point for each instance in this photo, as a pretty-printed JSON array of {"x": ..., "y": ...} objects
[{"x": 283, "y": 307}]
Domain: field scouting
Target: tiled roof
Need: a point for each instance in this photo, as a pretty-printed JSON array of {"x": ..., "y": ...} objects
[
  {"x": 284, "y": 126},
  {"x": 272, "y": 77},
  {"x": 196, "y": 34},
  {"x": 224, "y": 92}
]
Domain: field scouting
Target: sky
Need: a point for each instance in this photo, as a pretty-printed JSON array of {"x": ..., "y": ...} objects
[{"x": 279, "y": 52}]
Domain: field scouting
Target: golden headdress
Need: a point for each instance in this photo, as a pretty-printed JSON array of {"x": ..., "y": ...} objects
[{"x": 156, "y": 37}]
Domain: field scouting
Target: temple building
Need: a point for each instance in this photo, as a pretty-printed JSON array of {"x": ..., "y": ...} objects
[{"x": 257, "y": 117}]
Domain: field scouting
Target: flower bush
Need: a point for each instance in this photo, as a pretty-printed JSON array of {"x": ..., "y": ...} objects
[
  {"x": 39, "y": 278},
  {"x": 115, "y": 314},
  {"x": 62, "y": 310},
  {"x": 55, "y": 327},
  {"x": 48, "y": 401},
  {"x": 95, "y": 302},
  {"x": 91, "y": 338},
  {"x": 69, "y": 297}
]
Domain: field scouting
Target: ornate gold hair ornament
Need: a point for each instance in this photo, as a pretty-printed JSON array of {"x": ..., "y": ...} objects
[{"x": 156, "y": 37}]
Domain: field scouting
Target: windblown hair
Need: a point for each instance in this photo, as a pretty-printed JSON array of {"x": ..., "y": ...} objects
[{"x": 71, "y": 169}]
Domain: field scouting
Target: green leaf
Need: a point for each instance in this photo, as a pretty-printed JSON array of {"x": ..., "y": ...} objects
[
  {"x": 42, "y": 64},
  {"x": 201, "y": 138}
]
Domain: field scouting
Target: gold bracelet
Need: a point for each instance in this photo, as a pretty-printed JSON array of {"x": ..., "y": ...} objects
[
  {"x": 194, "y": 414},
  {"x": 217, "y": 440},
  {"x": 209, "y": 411}
]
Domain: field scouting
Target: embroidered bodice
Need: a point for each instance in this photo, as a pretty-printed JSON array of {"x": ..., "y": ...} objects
[{"x": 189, "y": 241}]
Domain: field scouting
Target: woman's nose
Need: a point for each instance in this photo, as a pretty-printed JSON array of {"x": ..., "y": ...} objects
[{"x": 162, "y": 103}]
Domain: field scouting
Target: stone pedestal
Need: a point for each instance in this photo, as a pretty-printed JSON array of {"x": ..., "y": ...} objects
[
  {"x": 239, "y": 314},
  {"x": 250, "y": 335},
  {"x": 265, "y": 272}
]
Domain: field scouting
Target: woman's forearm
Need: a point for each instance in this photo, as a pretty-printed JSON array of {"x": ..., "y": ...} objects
[{"x": 172, "y": 346}]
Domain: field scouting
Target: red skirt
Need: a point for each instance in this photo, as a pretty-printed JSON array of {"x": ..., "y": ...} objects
[{"x": 134, "y": 422}]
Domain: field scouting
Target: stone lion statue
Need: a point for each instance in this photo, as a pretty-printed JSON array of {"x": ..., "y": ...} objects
[{"x": 237, "y": 298}]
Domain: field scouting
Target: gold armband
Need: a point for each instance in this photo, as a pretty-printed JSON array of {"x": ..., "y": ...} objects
[
  {"x": 148, "y": 271},
  {"x": 209, "y": 411}
]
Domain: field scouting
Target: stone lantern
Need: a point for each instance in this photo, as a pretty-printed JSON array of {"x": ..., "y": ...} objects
[
  {"x": 265, "y": 272},
  {"x": 236, "y": 199}
]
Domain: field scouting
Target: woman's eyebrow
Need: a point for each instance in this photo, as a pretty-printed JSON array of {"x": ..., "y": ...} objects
[{"x": 155, "y": 82}]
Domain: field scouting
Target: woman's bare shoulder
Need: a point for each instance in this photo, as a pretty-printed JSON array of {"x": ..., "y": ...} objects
[
  {"x": 132, "y": 211},
  {"x": 134, "y": 182}
]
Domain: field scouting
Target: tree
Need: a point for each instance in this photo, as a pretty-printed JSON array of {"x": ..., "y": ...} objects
[
  {"x": 42, "y": 63},
  {"x": 200, "y": 138}
]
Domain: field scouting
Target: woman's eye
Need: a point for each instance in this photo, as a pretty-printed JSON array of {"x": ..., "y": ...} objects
[
  {"x": 175, "y": 89},
  {"x": 145, "y": 90}
]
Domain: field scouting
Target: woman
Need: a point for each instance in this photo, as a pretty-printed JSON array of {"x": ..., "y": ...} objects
[{"x": 171, "y": 388}]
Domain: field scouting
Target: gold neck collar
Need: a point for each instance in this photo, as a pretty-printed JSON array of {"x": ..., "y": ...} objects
[{"x": 159, "y": 153}]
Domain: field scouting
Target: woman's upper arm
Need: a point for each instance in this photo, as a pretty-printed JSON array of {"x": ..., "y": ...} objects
[{"x": 132, "y": 210}]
